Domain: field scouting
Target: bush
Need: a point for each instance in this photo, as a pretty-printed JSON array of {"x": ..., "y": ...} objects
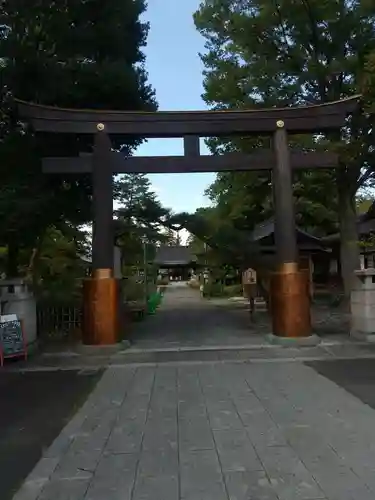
[
  {"x": 233, "y": 291},
  {"x": 133, "y": 290},
  {"x": 213, "y": 290},
  {"x": 219, "y": 290}
]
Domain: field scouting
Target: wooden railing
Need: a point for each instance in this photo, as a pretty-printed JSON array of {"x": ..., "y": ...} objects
[{"x": 58, "y": 321}]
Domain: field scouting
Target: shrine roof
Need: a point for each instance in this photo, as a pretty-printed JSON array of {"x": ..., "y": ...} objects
[{"x": 176, "y": 255}]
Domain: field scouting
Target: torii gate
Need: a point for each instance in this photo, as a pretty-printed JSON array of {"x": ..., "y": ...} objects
[{"x": 290, "y": 302}]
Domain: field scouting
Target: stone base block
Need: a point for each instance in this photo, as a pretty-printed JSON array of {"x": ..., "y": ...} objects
[
  {"x": 362, "y": 298},
  {"x": 106, "y": 349},
  {"x": 362, "y": 336},
  {"x": 363, "y": 324},
  {"x": 363, "y": 309},
  {"x": 310, "y": 341}
]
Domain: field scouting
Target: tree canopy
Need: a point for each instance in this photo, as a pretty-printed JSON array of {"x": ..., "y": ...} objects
[
  {"x": 139, "y": 218},
  {"x": 262, "y": 53},
  {"x": 75, "y": 54}
]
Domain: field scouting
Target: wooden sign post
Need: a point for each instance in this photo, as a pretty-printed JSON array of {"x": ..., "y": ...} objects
[{"x": 250, "y": 287}]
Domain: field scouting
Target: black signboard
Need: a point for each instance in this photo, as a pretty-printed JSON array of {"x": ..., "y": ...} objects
[{"x": 12, "y": 342}]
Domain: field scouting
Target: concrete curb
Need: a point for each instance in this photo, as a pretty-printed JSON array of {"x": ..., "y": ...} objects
[
  {"x": 312, "y": 340},
  {"x": 82, "y": 350},
  {"x": 363, "y": 337}
]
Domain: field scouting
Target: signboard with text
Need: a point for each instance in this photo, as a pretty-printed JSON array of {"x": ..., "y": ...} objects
[
  {"x": 249, "y": 277},
  {"x": 12, "y": 340}
]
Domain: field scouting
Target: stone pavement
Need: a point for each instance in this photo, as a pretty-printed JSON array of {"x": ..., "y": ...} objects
[
  {"x": 188, "y": 329},
  {"x": 187, "y": 321},
  {"x": 245, "y": 431}
]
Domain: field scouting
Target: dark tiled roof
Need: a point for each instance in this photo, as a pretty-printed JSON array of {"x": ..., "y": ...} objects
[
  {"x": 86, "y": 259},
  {"x": 366, "y": 226},
  {"x": 174, "y": 256},
  {"x": 267, "y": 228},
  {"x": 263, "y": 229},
  {"x": 370, "y": 214},
  {"x": 366, "y": 221}
]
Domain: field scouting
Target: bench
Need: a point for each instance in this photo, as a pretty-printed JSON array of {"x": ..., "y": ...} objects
[{"x": 137, "y": 310}]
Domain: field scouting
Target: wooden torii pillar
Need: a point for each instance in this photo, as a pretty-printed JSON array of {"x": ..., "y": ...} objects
[
  {"x": 289, "y": 296},
  {"x": 101, "y": 294}
]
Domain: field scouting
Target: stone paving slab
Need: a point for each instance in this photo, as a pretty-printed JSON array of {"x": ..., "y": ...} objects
[
  {"x": 189, "y": 329},
  {"x": 325, "y": 351},
  {"x": 186, "y": 320},
  {"x": 264, "y": 431}
]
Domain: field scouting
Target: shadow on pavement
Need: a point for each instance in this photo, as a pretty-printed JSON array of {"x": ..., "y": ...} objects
[
  {"x": 35, "y": 406},
  {"x": 357, "y": 376},
  {"x": 186, "y": 320}
]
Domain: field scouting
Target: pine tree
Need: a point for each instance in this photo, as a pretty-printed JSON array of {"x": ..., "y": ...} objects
[{"x": 69, "y": 53}]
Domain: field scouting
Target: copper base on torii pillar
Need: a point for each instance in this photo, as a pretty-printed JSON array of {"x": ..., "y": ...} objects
[
  {"x": 290, "y": 302},
  {"x": 101, "y": 315}
]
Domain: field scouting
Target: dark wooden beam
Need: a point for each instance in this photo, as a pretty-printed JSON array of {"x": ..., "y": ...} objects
[
  {"x": 263, "y": 160},
  {"x": 314, "y": 118},
  {"x": 191, "y": 146},
  {"x": 102, "y": 199},
  {"x": 285, "y": 226}
]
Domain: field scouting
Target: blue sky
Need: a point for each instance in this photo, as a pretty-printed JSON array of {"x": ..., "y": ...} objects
[{"x": 175, "y": 71}]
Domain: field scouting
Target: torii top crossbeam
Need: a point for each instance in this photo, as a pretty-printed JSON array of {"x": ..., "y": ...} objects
[{"x": 312, "y": 118}]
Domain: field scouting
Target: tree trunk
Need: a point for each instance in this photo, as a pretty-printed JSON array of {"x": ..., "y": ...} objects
[
  {"x": 349, "y": 251},
  {"x": 31, "y": 275}
]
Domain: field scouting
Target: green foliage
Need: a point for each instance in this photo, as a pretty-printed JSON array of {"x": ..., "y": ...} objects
[
  {"x": 213, "y": 289},
  {"x": 267, "y": 53},
  {"x": 75, "y": 53},
  {"x": 133, "y": 289},
  {"x": 218, "y": 289},
  {"x": 225, "y": 244},
  {"x": 364, "y": 203},
  {"x": 233, "y": 291},
  {"x": 215, "y": 241},
  {"x": 262, "y": 53},
  {"x": 65, "y": 53},
  {"x": 58, "y": 267},
  {"x": 139, "y": 219},
  {"x": 368, "y": 83},
  {"x": 172, "y": 238},
  {"x": 199, "y": 238}
]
